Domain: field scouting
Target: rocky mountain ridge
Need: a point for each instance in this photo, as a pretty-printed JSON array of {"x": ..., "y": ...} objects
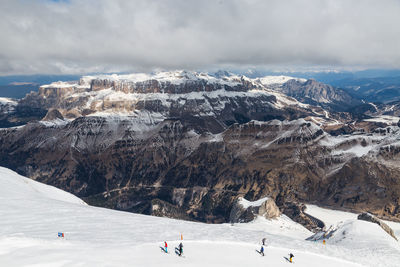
[
  {"x": 317, "y": 93},
  {"x": 159, "y": 93},
  {"x": 109, "y": 163}
]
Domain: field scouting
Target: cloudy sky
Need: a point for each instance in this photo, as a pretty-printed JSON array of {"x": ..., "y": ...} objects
[{"x": 80, "y": 36}]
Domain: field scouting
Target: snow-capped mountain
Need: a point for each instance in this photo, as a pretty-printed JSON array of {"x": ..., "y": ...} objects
[
  {"x": 168, "y": 93},
  {"x": 164, "y": 95},
  {"x": 32, "y": 215}
]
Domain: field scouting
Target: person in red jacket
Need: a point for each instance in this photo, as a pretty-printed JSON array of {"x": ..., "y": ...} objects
[{"x": 166, "y": 246}]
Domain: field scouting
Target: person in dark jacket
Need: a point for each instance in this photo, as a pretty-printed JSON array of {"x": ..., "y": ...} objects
[{"x": 180, "y": 249}]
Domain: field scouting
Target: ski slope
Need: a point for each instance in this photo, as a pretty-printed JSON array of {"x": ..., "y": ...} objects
[
  {"x": 32, "y": 214},
  {"x": 335, "y": 217}
]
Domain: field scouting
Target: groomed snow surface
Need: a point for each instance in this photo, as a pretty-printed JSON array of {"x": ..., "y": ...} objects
[{"x": 32, "y": 214}]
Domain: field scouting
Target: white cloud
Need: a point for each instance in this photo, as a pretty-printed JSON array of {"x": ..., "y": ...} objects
[{"x": 40, "y": 36}]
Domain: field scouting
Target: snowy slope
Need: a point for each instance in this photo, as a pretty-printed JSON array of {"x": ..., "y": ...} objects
[
  {"x": 330, "y": 217},
  {"x": 32, "y": 214},
  {"x": 361, "y": 236},
  {"x": 18, "y": 188},
  {"x": 336, "y": 217}
]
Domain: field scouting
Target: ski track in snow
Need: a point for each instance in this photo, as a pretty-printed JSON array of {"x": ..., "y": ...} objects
[{"x": 32, "y": 214}]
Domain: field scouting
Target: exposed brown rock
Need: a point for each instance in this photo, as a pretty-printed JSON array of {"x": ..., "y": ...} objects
[
  {"x": 267, "y": 209},
  {"x": 164, "y": 209},
  {"x": 53, "y": 114},
  {"x": 295, "y": 211},
  {"x": 110, "y": 164}
]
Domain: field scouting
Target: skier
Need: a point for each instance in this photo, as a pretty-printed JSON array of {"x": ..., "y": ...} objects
[
  {"x": 263, "y": 241},
  {"x": 180, "y": 249},
  {"x": 291, "y": 256},
  {"x": 262, "y": 250},
  {"x": 166, "y": 246}
]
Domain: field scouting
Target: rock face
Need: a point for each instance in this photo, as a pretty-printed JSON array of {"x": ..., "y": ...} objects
[
  {"x": 164, "y": 209},
  {"x": 295, "y": 211},
  {"x": 246, "y": 211},
  {"x": 53, "y": 114},
  {"x": 370, "y": 218}
]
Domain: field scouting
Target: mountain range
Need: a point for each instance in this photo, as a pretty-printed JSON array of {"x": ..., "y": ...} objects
[{"x": 187, "y": 145}]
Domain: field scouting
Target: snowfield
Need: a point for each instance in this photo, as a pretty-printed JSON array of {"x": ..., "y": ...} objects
[{"x": 32, "y": 214}]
